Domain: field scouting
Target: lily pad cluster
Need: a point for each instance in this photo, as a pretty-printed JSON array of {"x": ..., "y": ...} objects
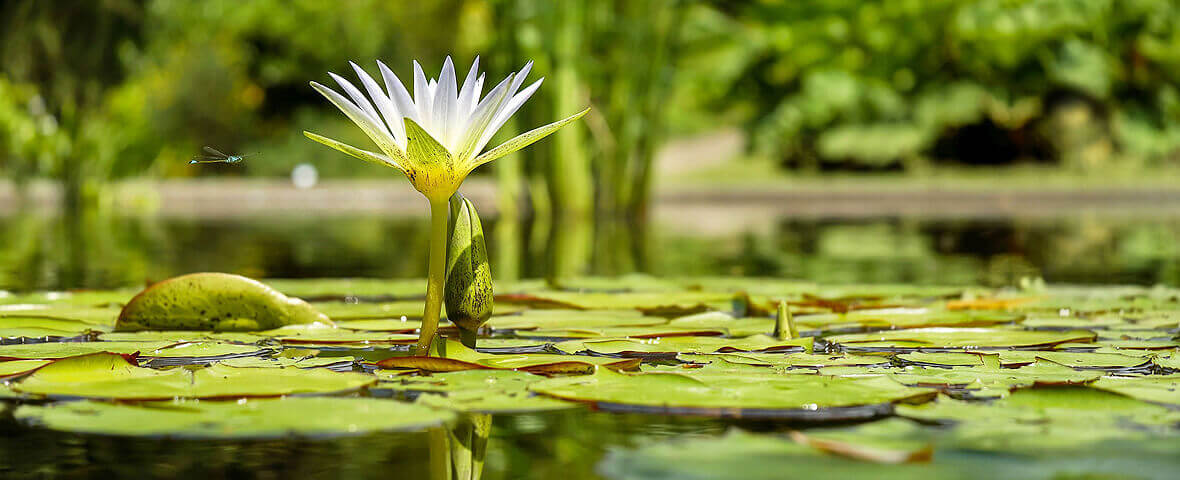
[{"x": 925, "y": 375}]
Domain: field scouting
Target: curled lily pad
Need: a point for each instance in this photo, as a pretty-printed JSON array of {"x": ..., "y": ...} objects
[
  {"x": 460, "y": 357},
  {"x": 214, "y": 301},
  {"x": 794, "y": 396},
  {"x": 253, "y": 418},
  {"x": 105, "y": 375}
]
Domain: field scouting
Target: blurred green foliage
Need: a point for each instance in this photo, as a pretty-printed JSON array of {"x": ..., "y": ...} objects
[
  {"x": 882, "y": 83},
  {"x": 117, "y": 88}
]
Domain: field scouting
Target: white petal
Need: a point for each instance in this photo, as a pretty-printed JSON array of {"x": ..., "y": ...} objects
[
  {"x": 401, "y": 98},
  {"x": 520, "y": 76},
  {"x": 445, "y": 109},
  {"x": 481, "y": 117},
  {"x": 359, "y": 100},
  {"x": 422, "y": 97},
  {"x": 510, "y": 107},
  {"x": 467, "y": 94},
  {"x": 393, "y": 119},
  {"x": 358, "y": 116}
]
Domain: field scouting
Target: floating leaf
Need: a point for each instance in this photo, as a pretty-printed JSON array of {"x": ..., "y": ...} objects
[
  {"x": 686, "y": 344},
  {"x": 214, "y": 301},
  {"x": 253, "y": 418},
  {"x": 322, "y": 335},
  {"x": 792, "y": 360},
  {"x": 957, "y": 338},
  {"x": 52, "y": 350},
  {"x": 485, "y": 391},
  {"x": 1159, "y": 388},
  {"x": 104, "y": 375},
  {"x": 19, "y": 367},
  {"x": 573, "y": 319},
  {"x": 723, "y": 395},
  {"x": 460, "y": 357}
]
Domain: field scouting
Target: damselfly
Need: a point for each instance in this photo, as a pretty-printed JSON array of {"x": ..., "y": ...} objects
[{"x": 211, "y": 155}]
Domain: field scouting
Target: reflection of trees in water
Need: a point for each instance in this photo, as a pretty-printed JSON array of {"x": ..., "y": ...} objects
[{"x": 97, "y": 248}]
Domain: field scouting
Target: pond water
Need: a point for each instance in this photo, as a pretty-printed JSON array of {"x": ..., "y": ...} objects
[{"x": 50, "y": 252}]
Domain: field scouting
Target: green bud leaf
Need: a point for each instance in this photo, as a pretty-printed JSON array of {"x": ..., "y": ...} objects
[{"x": 468, "y": 294}]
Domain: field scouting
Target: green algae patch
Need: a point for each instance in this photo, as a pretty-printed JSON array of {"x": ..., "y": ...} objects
[
  {"x": 111, "y": 376},
  {"x": 253, "y": 418},
  {"x": 214, "y": 301}
]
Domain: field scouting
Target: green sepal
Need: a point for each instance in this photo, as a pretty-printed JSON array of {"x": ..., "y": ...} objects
[
  {"x": 525, "y": 139},
  {"x": 371, "y": 157}
]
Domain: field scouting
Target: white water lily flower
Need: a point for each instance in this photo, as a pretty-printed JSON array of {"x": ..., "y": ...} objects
[{"x": 437, "y": 135}]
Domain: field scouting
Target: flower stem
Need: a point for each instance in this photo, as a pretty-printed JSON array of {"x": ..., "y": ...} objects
[{"x": 436, "y": 274}]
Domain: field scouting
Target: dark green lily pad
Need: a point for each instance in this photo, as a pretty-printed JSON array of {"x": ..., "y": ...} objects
[{"x": 253, "y": 418}]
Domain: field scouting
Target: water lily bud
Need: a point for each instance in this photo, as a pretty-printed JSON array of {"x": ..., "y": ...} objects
[{"x": 468, "y": 295}]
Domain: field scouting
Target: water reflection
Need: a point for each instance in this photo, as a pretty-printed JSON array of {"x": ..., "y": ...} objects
[
  {"x": 566, "y": 445},
  {"x": 92, "y": 249}
]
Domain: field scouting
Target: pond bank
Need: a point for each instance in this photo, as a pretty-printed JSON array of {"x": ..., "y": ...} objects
[{"x": 231, "y": 198}]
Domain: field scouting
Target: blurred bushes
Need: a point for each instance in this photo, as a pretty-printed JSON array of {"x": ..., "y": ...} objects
[
  {"x": 118, "y": 88},
  {"x": 881, "y": 83}
]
